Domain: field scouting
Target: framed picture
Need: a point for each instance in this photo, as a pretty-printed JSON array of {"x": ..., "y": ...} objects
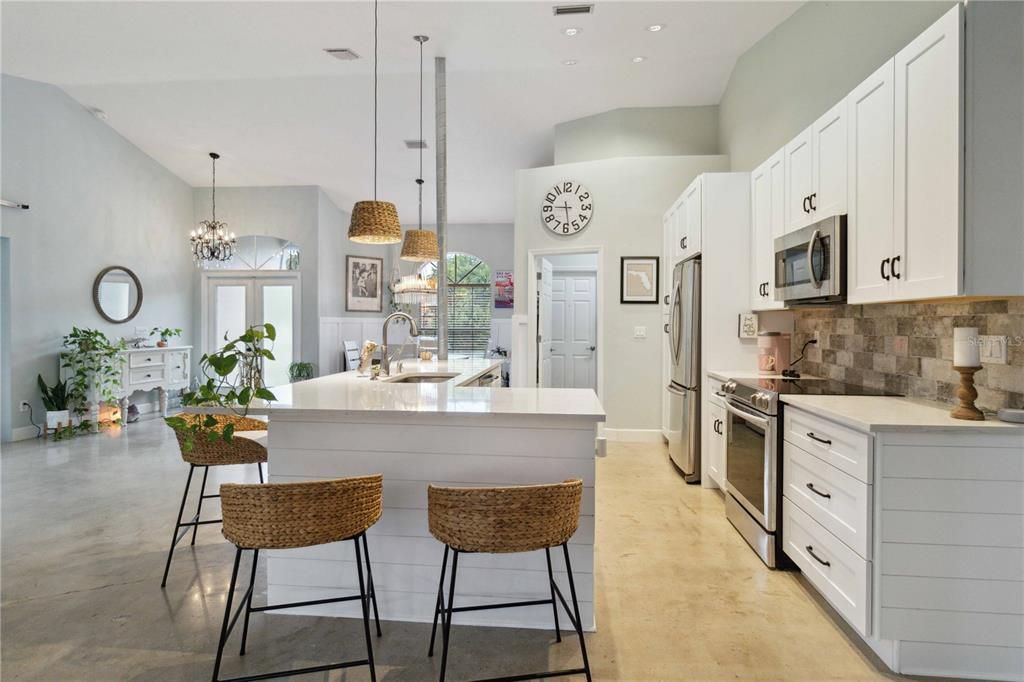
[
  {"x": 504, "y": 289},
  {"x": 748, "y": 326},
  {"x": 639, "y": 280},
  {"x": 364, "y": 277}
]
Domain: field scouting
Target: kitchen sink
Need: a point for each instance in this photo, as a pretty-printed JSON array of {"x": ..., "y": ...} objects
[{"x": 422, "y": 378}]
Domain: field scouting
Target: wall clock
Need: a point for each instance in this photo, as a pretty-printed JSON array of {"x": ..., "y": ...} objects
[{"x": 567, "y": 208}]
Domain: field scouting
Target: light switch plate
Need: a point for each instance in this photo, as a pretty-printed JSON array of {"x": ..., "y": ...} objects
[
  {"x": 639, "y": 332},
  {"x": 993, "y": 349}
]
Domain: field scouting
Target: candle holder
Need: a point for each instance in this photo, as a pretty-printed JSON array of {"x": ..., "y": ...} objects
[{"x": 967, "y": 395}]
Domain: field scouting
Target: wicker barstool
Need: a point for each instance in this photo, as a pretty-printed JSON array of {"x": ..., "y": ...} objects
[
  {"x": 505, "y": 520},
  {"x": 291, "y": 515},
  {"x": 206, "y": 453}
]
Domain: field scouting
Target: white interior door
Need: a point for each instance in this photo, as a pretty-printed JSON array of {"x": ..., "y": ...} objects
[
  {"x": 574, "y": 330},
  {"x": 233, "y": 303},
  {"x": 545, "y": 297}
]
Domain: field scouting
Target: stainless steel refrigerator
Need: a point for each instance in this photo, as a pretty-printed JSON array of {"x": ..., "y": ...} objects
[{"x": 684, "y": 387}]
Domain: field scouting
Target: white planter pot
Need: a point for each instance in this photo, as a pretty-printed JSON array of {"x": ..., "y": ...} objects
[{"x": 62, "y": 417}]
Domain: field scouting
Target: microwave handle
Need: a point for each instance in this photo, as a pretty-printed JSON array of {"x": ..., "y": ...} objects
[
  {"x": 743, "y": 414},
  {"x": 810, "y": 256}
]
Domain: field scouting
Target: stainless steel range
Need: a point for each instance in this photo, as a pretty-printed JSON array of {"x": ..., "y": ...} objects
[{"x": 753, "y": 461}]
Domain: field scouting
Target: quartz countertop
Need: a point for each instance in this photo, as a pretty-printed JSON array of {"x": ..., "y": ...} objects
[
  {"x": 348, "y": 393},
  {"x": 886, "y": 413},
  {"x": 726, "y": 374}
]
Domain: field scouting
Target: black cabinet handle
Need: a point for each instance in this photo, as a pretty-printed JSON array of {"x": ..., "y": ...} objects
[
  {"x": 892, "y": 267},
  {"x": 811, "y": 201},
  {"x": 682, "y": 243},
  {"x": 810, "y": 434},
  {"x": 666, "y": 327},
  {"x": 666, "y": 299},
  {"x": 805, "y": 201},
  {"x": 810, "y": 550},
  {"x": 810, "y": 486},
  {"x": 884, "y": 262},
  {"x": 767, "y": 290}
]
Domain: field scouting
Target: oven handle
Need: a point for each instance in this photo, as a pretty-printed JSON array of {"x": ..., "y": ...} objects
[
  {"x": 810, "y": 259},
  {"x": 743, "y": 414}
]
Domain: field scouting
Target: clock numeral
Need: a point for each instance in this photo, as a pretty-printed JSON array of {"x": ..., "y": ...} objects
[
  {"x": 584, "y": 196},
  {"x": 567, "y": 186},
  {"x": 546, "y": 208},
  {"x": 565, "y": 229},
  {"x": 576, "y": 224},
  {"x": 550, "y": 197},
  {"x": 584, "y": 217},
  {"x": 586, "y": 207},
  {"x": 549, "y": 218}
]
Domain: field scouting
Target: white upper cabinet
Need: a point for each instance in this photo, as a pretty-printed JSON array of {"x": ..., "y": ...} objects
[
  {"x": 927, "y": 161},
  {"x": 691, "y": 236},
  {"x": 799, "y": 180},
  {"x": 869, "y": 235},
  {"x": 828, "y": 196},
  {"x": 768, "y": 199},
  {"x": 679, "y": 231}
]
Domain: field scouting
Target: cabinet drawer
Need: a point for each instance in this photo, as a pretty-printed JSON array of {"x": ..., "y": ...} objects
[
  {"x": 146, "y": 375},
  {"x": 145, "y": 359},
  {"x": 843, "y": 448},
  {"x": 837, "y": 501},
  {"x": 835, "y": 570}
]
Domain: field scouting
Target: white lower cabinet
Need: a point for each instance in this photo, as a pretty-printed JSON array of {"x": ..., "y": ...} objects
[
  {"x": 666, "y": 373},
  {"x": 715, "y": 436}
]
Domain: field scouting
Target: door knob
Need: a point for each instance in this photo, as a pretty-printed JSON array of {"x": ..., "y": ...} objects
[{"x": 593, "y": 348}]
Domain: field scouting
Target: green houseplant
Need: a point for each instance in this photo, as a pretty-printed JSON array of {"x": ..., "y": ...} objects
[
  {"x": 96, "y": 363},
  {"x": 300, "y": 371},
  {"x": 56, "y": 401},
  {"x": 166, "y": 334},
  {"x": 234, "y": 379}
]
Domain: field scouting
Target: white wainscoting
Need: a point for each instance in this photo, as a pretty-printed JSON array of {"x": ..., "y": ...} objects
[{"x": 334, "y": 331}]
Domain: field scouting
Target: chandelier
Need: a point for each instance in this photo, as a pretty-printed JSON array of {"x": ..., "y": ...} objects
[{"x": 212, "y": 242}]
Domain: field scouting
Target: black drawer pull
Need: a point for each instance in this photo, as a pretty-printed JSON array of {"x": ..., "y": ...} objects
[
  {"x": 666, "y": 327},
  {"x": 810, "y": 434},
  {"x": 810, "y": 486},
  {"x": 810, "y": 550},
  {"x": 666, "y": 299}
]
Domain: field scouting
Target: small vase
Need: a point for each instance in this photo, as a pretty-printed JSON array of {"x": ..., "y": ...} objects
[
  {"x": 57, "y": 418},
  {"x": 161, "y": 343}
]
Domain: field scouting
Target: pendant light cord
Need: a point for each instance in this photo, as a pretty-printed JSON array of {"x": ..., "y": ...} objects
[
  {"x": 419, "y": 180},
  {"x": 213, "y": 198},
  {"x": 375, "y": 3}
]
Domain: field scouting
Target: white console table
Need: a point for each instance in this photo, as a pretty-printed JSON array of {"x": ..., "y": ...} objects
[{"x": 148, "y": 369}]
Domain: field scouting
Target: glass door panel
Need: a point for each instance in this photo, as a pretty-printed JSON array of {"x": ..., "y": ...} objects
[{"x": 278, "y": 308}]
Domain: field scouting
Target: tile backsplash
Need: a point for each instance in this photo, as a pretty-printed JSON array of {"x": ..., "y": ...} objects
[{"x": 907, "y": 348}]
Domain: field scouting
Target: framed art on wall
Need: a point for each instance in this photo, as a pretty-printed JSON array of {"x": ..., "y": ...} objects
[
  {"x": 504, "y": 290},
  {"x": 639, "y": 279},
  {"x": 364, "y": 284}
]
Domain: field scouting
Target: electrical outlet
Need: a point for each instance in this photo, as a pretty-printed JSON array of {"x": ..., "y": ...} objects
[
  {"x": 639, "y": 332},
  {"x": 993, "y": 349},
  {"x": 24, "y": 406}
]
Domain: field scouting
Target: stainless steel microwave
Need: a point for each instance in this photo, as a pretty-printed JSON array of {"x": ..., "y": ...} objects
[{"x": 810, "y": 264}]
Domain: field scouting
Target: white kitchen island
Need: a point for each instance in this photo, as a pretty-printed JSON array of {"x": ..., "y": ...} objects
[{"x": 419, "y": 433}]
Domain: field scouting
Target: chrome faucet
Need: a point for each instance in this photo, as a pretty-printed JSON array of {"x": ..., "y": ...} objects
[{"x": 385, "y": 360}]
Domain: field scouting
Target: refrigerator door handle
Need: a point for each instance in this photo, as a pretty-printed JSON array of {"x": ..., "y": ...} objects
[
  {"x": 675, "y": 390},
  {"x": 674, "y": 336}
]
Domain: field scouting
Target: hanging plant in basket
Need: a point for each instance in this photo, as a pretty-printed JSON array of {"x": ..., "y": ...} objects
[{"x": 234, "y": 379}]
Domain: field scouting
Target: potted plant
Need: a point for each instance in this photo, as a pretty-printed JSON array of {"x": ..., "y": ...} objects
[
  {"x": 96, "y": 363},
  {"x": 234, "y": 379},
  {"x": 55, "y": 400},
  {"x": 300, "y": 371},
  {"x": 165, "y": 335}
]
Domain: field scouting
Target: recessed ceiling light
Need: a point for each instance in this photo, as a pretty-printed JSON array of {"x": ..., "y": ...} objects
[
  {"x": 637, "y": 60},
  {"x": 571, "y": 31},
  {"x": 570, "y": 62},
  {"x": 654, "y": 28}
]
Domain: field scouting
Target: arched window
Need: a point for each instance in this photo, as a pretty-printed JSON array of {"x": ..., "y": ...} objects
[
  {"x": 469, "y": 305},
  {"x": 259, "y": 252}
]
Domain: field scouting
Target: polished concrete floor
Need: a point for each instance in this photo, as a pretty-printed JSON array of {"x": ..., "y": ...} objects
[{"x": 85, "y": 530}]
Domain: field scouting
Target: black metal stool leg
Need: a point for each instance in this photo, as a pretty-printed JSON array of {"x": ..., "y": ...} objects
[
  {"x": 248, "y": 600},
  {"x": 259, "y": 468},
  {"x": 227, "y": 616},
  {"x": 446, "y": 632},
  {"x": 177, "y": 525},
  {"x": 439, "y": 604},
  {"x": 576, "y": 609},
  {"x": 364, "y": 598},
  {"x": 551, "y": 585},
  {"x": 199, "y": 507},
  {"x": 369, "y": 579}
]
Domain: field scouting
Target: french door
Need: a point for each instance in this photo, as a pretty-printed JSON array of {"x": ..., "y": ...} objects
[{"x": 233, "y": 302}]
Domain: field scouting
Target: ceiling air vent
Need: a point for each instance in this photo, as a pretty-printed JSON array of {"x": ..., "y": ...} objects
[
  {"x": 563, "y": 10},
  {"x": 415, "y": 144},
  {"x": 342, "y": 53}
]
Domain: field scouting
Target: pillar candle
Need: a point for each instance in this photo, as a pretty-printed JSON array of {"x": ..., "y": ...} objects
[{"x": 966, "y": 351}]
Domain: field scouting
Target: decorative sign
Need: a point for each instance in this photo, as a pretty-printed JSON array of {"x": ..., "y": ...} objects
[
  {"x": 504, "y": 289},
  {"x": 748, "y": 326},
  {"x": 567, "y": 208}
]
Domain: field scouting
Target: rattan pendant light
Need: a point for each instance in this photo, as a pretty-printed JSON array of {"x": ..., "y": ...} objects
[
  {"x": 375, "y": 222},
  {"x": 420, "y": 245}
]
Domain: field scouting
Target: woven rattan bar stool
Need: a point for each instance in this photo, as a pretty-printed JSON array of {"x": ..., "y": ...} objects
[
  {"x": 291, "y": 515},
  {"x": 205, "y": 454},
  {"x": 505, "y": 520}
]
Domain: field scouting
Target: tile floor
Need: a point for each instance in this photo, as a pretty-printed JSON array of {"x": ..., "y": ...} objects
[{"x": 86, "y": 524}]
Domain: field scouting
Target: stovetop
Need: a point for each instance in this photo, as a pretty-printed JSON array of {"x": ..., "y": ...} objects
[{"x": 763, "y": 394}]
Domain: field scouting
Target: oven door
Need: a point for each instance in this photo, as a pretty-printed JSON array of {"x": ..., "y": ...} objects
[
  {"x": 750, "y": 462},
  {"x": 809, "y": 263}
]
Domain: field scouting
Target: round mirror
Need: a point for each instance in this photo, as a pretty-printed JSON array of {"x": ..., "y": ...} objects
[{"x": 117, "y": 294}]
